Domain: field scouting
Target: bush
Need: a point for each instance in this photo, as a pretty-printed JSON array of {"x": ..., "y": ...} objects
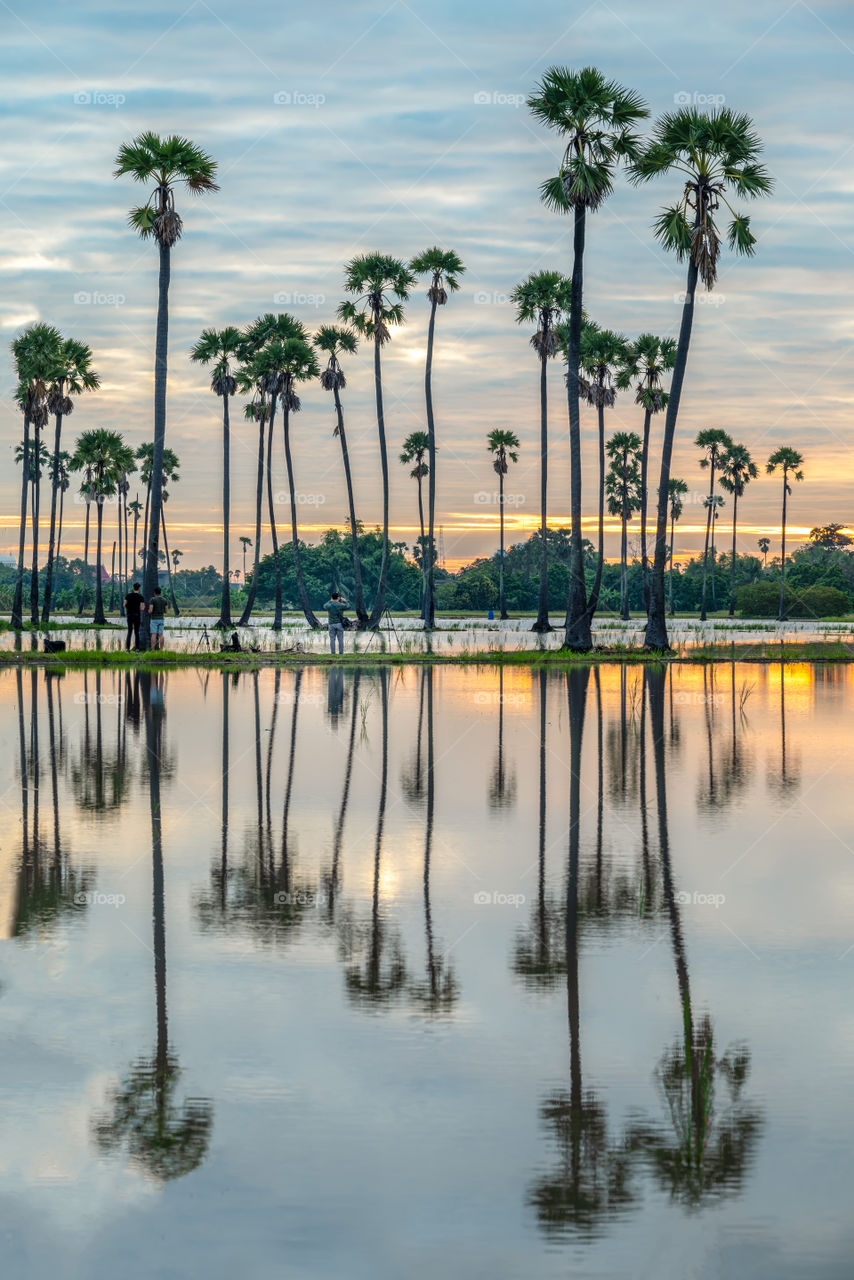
[
  {"x": 817, "y": 602},
  {"x": 760, "y": 600}
]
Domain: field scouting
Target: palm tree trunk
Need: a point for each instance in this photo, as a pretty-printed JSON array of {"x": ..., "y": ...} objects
[
  {"x": 423, "y": 549},
  {"x": 361, "y": 611},
  {"x": 51, "y": 549},
  {"x": 99, "y": 617},
  {"x": 379, "y": 600},
  {"x": 593, "y": 602},
  {"x": 732, "y": 566},
  {"x": 709, "y": 515},
  {"x": 542, "y": 623},
  {"x": 176, "y": 611},
  {"x": 670, "y": 576},
  {"x": 303, "y": 594},
  {"x": 34, "y": 572},
  {"x": 655, "y": 636},
  {"x": 647, "y": 419},
  {"x": 84, "y": 582},
  {"x": 501, "y": 606},
  {"x": 624, "y": 582},
  {"x": 59, "y": 522},
  {"x": 121, "y": 549},
  {"x": 782, "y": 610},
  {"x": 430, "y": 598},
  {"x": 578, "y": 634},
  {"x": 17, "y": 620},
  {"x": 259, "y": 497},
  {"x": 160, "y": 368},
  {"x": 225, "y": 601},
  {"x": 271, "y": 509},
  {"x": 145, "y": 525},
  {"x": 135, "y": 528},
  {"x": 112, "y": 603}
]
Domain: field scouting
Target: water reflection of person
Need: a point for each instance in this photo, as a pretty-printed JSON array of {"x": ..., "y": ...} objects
[{"x": 335, "y": 694}]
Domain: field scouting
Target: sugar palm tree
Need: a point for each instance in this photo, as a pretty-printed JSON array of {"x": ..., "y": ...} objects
[
  {"x": 220, "y": 348},
  {"x": 443, "y": 268},
  {"x": 543, "y": 299},
  {"x": 246, "y": 542},
  {"x": 162, "y": 165},
  {"x": 335, "y": 341},
  {"x": 764, "y": 545},
  {"x": 296, "y": 363},
  {"x": 595, "y": 119},
  {"x": 503, "y": 444},
  {"x": 380, "y": 285},
  {"x": 73, "y": 375},
  {"x": 714, "y": 442},
  {"x": 135, "y": 508},
  {"x": 102, "y": 454},
  {"x": 737, "y": 469},
  {"x": 649, "y": 359},
  {"x": 676, "y": 489},
  {"x": 790, "y": 462},
  {"x": 59, "y": 477},
  {"x": 415, "y": 447},
  {"x": 34, "y": 353},
  {"x": 716, "y": 156},
  {"x": 603, "y": 355},
  {"x": 623, "y": 489},
  {"x": 169, "y": 472}
]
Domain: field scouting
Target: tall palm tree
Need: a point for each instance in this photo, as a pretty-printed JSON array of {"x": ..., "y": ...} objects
[
  {"x": 415, "y": 446},
  {"x": 161, "y": 164},
  {"x": 595, "y": 119},
  {"x": 72, "y": 376},
  {"x": 169, "y": 472},
  {"x": 380, "y": 285},
  {"x": 676, "y": 489},
  {"x": 764, "y": 545},
  {"x": 714, "y": 442},
  {"x": 34, "y": 353},
  {"x": 716, "y": 156},
  {"x": 623, "y": 489},
  {"x": 221, "y": 348},
  {"x": 247, "y": 542},
  {"x": 255, "y": 411},
  {"x": 334, "y": 341},
  {"x": 789, "y": 461},
  {"x": 737, "y": 469},
  {"x": 135, "y": 508},
  {"x": 103, "y": 454},
  {"x": 603, "y": 355},
  {"x": 444, "y": 268},
  {"x": 650, "y": 358},
  {"x": 59, "y": 477},
  {"x": 296, "y": 363},
  {"x": 543, "y": 299},
  {"x": 503, "y": 444},
  {"x": 87, "y": 494}
]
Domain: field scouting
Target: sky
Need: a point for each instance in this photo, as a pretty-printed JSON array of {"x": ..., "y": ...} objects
[{"x": 396, "y": 126}]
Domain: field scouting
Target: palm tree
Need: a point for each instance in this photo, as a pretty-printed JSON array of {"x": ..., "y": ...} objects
[
  {"x": 381, "y": 285},
  {"x": 444, "y": 269},
  {"x": 296, "y": 363},
  {"x": 543, "y": 299},
  {"x": 764, "y": 545},
  {"x": 714, "y": 442},
  {"x": 221, "y": 348},
  {"x": 503, "y": 444},
  {"x": 789, "y": 461},
  {"x": 415, "y": 446},
  {"x": 247, "y": 542},
  {"x": 676, "y": 490},
  {"x": 86, "y": 492},
  {"x": 162, "y": 164},
  {"x": 737, "y": 469},
  {"x": 145, "y": 457},
  {"x": 102, "y": 454},
  {"x": 603, "y": 355},
  {"x": 595, "y": 119},
  {"x": 716, "y": 155},
  {"x": 73, "y": 375},
  {"x": 34, "y": 353},
  {"x": 335, "y": 340},
  {"x": 59, "y": 477},
  {"x": 135, "y": 509},
  {"x": 255, "y": 411},
  {"x": 623, "y": 487},
  {"x": 650, "y": 358}
]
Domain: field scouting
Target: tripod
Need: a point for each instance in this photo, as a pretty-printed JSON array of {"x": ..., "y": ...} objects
[
  {"x": 391, "y": 627},
  {"x": 204, "y": 639}
]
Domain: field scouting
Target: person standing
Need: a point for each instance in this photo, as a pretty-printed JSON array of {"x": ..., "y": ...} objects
[
  {"x": 157, "y": 609},
  {"x": 335, "y": 617},
  {"x": 134, "y": 605}
]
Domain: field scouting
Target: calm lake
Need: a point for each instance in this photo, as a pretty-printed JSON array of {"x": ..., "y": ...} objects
[{"x": 427, "y": 972}]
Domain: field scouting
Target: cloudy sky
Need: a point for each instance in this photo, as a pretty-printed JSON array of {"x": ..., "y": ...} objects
[{"x": 394, "y": 126}]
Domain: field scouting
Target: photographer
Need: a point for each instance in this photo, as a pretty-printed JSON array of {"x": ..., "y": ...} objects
[{"x": 334, "y": 607}]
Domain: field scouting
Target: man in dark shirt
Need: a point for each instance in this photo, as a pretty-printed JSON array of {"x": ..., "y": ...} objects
[
  {"x": 134, "y": 604},
  {"x": 335, "y": 615}
]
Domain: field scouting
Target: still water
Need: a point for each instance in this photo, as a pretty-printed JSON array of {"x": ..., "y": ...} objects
[{"x": 427, "y": 972}]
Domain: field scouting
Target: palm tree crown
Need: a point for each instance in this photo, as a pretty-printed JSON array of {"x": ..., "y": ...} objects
[
  {"x": 381, "y": 284},
  {"x": 444, "y": 267},
  {"x": 737, "y": 469},
  {"x": 648, "y": 359},
  {"x": 335, "y": 341},
  {"x": 164, "y": 163},
  {"x": 220, "y": 348},
  {"x": 542, "y": 299},
  {"x": 504, "y": 444}
]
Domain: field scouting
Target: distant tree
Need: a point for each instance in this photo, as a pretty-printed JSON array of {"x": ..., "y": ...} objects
[
  {"x": 790, "y": 462},
  {"x": 832, "y": 537}
]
